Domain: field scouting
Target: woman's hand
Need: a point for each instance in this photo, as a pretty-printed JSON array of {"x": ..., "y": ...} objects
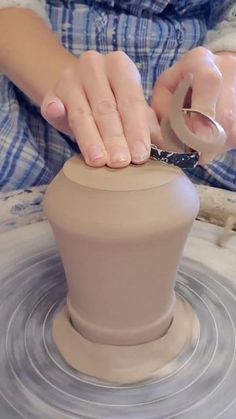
[
  {"x": 213, "y": 91},
  {"x": 99, "y": 100}
]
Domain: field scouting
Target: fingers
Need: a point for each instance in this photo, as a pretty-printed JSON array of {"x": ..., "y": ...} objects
[
  {"x": 206, "y": 88},
  {"x": 155, "y": 130},
  {"x": 226, "y": 105},
  {"x": 213, "y": 91},
  {"x": 85, "y": 130},
  {"x": 105, "y": 111},
  {"x": 205, "y": 93},
  {"x": 119, "y": 108},
  {"x": 221, "y": 95},
  {"x": 131, "y": 104},
  {"x": 161, "y": 99},
  {"x": 101, "y": 102},
  {"x": 207, "y": 80}
]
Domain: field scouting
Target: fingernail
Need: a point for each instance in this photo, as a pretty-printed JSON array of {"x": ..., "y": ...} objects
[
  {"x": 119, "y": 155},
  {"x": 56, "y": 109},
  {"x": 139, "y": 152},
  {"x": 53, "y": 102},
  {"x": 52, "y": 107},
  {"x": 94, "y": 152}
]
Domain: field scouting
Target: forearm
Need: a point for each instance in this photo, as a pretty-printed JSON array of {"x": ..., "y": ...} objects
[{"x": 30, "y": 54}]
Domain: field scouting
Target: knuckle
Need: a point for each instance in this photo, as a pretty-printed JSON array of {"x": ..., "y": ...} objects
[
  {"x": 78, "y": 115},
  {"x": 122, "y": 61},
  {"x": 118, "y": 56},
  {"x": 105, "y": 107},
  {"x": 67, "y": 74},
  {"x": 201, "y": 53},
  {"x": 135, "y": 134},
  {"x": 90, "y": 56},
  {"x": 113, "y": 139},
  {"x": 131, "y": 102}
]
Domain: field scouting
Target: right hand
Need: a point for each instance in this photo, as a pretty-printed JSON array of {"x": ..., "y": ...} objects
[{"x": 99, "y": 100}]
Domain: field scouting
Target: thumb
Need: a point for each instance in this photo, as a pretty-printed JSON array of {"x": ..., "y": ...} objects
[{"x": 54, "y": 111}]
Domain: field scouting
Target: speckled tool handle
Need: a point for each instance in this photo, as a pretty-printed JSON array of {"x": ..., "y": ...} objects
[{"x": 177, "y": 135}]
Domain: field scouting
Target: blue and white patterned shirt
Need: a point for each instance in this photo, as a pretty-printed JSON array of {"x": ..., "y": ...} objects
[{"x": 154, "y": 33}]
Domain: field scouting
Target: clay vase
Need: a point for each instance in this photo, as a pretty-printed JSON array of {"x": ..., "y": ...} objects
[{"x": 121, "y": 234}]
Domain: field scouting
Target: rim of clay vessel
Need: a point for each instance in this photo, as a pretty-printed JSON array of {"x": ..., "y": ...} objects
[{"x": 129, "y": 178}]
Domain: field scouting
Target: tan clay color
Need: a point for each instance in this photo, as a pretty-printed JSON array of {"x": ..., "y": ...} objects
[
  {"x": 121, "y": 234},
  {"x": 128, "y": 364}
]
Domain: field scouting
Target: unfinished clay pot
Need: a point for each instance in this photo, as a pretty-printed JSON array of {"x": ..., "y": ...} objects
[{"x": 121, "y": 234}]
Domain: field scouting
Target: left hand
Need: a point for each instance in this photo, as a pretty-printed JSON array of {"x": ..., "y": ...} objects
[{"x": 213, "y": 91}]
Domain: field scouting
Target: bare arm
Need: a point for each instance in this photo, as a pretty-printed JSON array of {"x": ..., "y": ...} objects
[{"x": 30, "y": 54}]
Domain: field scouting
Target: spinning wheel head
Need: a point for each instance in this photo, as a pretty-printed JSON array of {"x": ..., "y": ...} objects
[{"x": 37, "y": 383}]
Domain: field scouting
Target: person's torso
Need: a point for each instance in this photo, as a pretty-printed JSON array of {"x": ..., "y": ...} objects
[
  {"x": 213, "y": 9},
  {"x": 153, "y": 33}
]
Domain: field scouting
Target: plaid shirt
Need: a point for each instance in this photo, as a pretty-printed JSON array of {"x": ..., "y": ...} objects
[{"x": 154, "y": 34}]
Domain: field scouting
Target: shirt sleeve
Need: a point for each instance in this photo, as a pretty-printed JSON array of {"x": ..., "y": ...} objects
[
  {"x": 223, "y": 36},
  {"x": 38, "y": 6}
]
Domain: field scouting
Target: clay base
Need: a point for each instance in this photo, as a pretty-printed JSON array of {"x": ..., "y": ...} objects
[{"x": 126, "y": 364}]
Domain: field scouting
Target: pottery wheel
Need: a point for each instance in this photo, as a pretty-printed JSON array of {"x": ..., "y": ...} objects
[{"x": 37, "y": 383}]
